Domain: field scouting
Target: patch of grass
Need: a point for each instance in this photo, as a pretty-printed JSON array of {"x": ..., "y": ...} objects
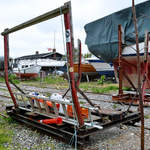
[
  {"x": 147, "y": 116},
  {"x": 4, "y": 137},
  {"x": 126, "y": 88},
  {"x": 101, "y": 80},
  {"x": 114, "y": 106},
  {"x": 2, "y": 89},
  {"x": 2, "y": 79},
  {"x": 11, "y": 77},
  {"x": 53, "y": 79},
  {"x": 106, "y": 89},
  {"x": 57, "y": 82},
  {"x": 5, "y": 133},
  {"x": 14, "y": 79},
  {"x": 6, "y": 121},
  {"x": 48, "y": 94},
  {"x": 84, "y": 87},
  {"x": 81, "y": 102}
]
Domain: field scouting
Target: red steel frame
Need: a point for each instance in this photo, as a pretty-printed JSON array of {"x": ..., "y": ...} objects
[
  {"x": 6, "y": 62},
  {"x": 66, "y": 10},
  {"x": 128, "y": 98},
  {"x": 69, "y": 44}
]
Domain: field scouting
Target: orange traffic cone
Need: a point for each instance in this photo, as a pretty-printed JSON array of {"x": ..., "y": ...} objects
[{"x": 52, "y": 121}]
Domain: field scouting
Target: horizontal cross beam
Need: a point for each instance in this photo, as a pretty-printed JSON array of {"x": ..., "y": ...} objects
[{"x": 49, "y": 15}]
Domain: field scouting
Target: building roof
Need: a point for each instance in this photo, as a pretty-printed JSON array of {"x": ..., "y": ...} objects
[{"x": 39, "y": 56}]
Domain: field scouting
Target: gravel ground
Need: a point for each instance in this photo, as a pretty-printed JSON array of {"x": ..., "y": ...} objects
[{"x": 116, "y": 138}]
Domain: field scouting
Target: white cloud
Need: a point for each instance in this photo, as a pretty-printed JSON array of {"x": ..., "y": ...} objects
[{"x": 41, "y": 36}]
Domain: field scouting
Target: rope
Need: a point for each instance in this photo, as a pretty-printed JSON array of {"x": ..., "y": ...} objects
[
  {"x": 74, "y": 137},
  {"x": 65, "y": 51}
]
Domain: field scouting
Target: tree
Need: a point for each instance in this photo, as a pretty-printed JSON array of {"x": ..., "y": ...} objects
[{"x": 87, "y": 55}]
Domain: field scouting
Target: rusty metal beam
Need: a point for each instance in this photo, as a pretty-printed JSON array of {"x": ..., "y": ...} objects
[
  {"x": 120, "y": 59},
  {"x": 70, "y": 47},
  {"x": 6, "y": 62},
  {"x": 145, "y": 78},
  {"x": 139, "y": 75}
]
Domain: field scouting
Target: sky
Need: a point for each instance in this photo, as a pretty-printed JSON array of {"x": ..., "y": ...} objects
[{"x": 49, "y": 34}]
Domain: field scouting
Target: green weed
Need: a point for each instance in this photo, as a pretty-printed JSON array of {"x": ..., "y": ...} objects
[
  {"x": 104, "y": 89},
  {"x": 114, "y": 106},
  {"x": 126, "y": 88},
  {"x": 5, "y": 133},
  {"x": 53, "y": 79},
  {"x": 146, "y": 116},
  {"x": 2, "y": 79},
  {"x": 14, "y": 79},
  {"x": 102, "y": 79},
  {"x": 84, "y": 87}
]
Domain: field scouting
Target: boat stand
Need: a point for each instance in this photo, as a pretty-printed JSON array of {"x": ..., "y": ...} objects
[
  {"x": 77, "y": 120},
  {"x": 131, "y": 97}
]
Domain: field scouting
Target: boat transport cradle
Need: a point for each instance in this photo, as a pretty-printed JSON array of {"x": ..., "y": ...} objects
[{"x": 44, "y": 113}]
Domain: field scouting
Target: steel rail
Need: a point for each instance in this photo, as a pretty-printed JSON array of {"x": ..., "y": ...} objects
[{"x": 139, "y": 74}]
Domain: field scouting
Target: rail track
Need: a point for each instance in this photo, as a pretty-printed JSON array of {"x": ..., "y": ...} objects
[
  {"x": 28, "y": 89},
  {"x": 2, "y": 85}
]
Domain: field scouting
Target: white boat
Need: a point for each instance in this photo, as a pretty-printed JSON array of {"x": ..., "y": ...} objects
[
  {"x": 27, "y": 70},
  {"x": 50, "y": 63}
]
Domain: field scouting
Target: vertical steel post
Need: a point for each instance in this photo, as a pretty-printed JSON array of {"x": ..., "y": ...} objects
[
  {"x": 120, "y": 59},
  {"x": 145, "y": 79},
  {"x": 70, "y": 46},
  {"x": 79, "y": 64},
  {"x": 139, "y": 75},
  {"x": 6, "y": 60}
]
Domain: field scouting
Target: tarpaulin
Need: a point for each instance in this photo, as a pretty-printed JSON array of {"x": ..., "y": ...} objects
[{"x": 102, "y": 34}]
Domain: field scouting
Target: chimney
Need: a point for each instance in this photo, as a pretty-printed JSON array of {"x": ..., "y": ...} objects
[
  {"x": 37, "y": 52},
  {"x": 54, "y": 50},
  {"x": 54, "y": 56}
]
